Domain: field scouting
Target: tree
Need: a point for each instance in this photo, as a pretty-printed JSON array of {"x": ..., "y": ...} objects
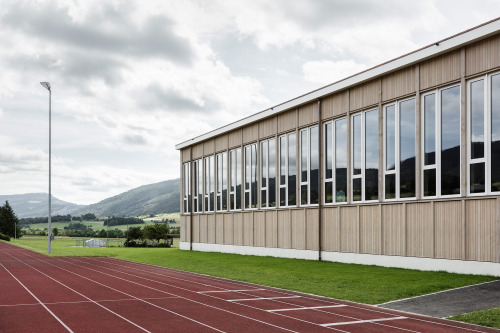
[
  {"x": 9, "y": 221},
  {"x": 135, "y": 233},
  {"x": 156, "y": 231},
  {"x": 55, "y": 231}
]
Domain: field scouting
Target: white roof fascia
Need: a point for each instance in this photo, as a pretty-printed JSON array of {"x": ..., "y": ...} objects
[{"x": 433, "y": 50}]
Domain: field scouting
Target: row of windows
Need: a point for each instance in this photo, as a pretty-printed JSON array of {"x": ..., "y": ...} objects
[{"x": 281, "y": 158}]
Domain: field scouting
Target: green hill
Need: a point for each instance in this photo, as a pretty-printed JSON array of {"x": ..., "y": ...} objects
[{"x": 162, "y": 197}]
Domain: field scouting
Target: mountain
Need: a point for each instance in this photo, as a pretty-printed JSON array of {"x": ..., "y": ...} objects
[
  {"x": 36, "y": 204},
  {"x": 162, "y": 197}
]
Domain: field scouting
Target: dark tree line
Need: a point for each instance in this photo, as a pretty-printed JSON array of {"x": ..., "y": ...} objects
[
  {"x": 9, "y": 223},
  {"x": 57, "y": 218},
  {"x": 122, "y": 221}
]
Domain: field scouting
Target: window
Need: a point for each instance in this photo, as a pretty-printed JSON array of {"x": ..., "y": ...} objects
[
  {"x": 198, "y": 187},
  {"x": 335, "y": 163},
  {"x": 309, "y": 166},
  {"x": 400, "y": 150},
  {"x": 209, "y": 183},
  {"x": 484, "y": 140},
  {"x": 268, "y": 173},
  {"x": 365, "y": 156},
  {"x": 187, "y": 187},
  {"x": 235, "y": 179},
  {"x": 222, "y": 181},
  {"x": 251, "y": 176},
  {"x": 288, "y": 170},
  {"x": 441, "y": 146}
]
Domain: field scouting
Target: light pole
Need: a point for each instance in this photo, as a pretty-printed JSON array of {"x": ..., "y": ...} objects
[{"x": 46, "y": 85}]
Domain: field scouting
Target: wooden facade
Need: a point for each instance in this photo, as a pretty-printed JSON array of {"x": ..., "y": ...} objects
[{"x": 461, "y": 227}]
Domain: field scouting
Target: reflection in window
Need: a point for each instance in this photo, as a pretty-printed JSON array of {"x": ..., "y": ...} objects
[
  {"x": 209, "y": 183},
  {"x": 268, "y": 173},
  {"x": 198, "y": 186},
  {"x": 495, "y": 134},
  {"x": 222, "y": 181},
  {"x": 441, "y": 135},
  {"x": 400, "y": 148},
  {"x": 477, "y": 133},
  {"x": 450, "y": 141},
  {"x": 251, "y": 176},
  {"x": 235, "y": 179},
  {"x": 365, "y": 156},
  {"x": 335, "y": 137},
  {"x": 309, "y": 166},
  {"x": 186, "y": 187},
  {"x": 288, "y": 167}
]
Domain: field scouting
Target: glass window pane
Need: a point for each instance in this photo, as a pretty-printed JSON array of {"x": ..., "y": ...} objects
[
  {"x": 495, "y": 133},
  {"x": 212, "y": 182},
  {"x": 238, "y": 178},
  {"x": 340, "y": 160},
  {"x": 390, "y": 186},
  {"x": 477, "y": 119},
  {"x": 328, "y": 151},
  {"x": 390, "y": 137},
  {"x": 200, "y": 186},
  {"x": 292, "y": 169},
  {"x": 272, "y": 173},
  {"x": 356, "y": 150},
  {"x": 407, "y": 149},
  {"x": 282, "y": 161},
  {"x": 429, "y": 183},
  {"x": 356, "y": 189},
  {"x": 328, "y": 192},
  {"x": 224, "y": 180},
  {"x": 254, "y": 177},
  {"x": 430, "y": 129},
  {"x": 303, "y": 195},
  {"x": 248, "y": 171},
  {"x": 477, "y": 178},
  {"x": 263, "y": 164},
  {"x": 303, "y": 156},
  {"x": 314, "y": 162},
  {"x": 450, "y": 141},
  {"x": 371, "y": 155}
]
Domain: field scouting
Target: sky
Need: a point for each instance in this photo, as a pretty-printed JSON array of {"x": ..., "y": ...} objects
[{"x": 131, "y": 79}]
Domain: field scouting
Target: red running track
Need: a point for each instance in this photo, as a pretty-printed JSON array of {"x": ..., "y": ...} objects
[{"x": 81, "y": 294}]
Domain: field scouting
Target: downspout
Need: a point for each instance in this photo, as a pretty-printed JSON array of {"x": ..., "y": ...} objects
[
  {"x": 191, "y": 198},
  {"x": 320, "y": 192}
]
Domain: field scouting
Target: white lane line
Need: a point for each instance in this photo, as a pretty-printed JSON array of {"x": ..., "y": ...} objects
[
  {"x": 162, "y": 291},
  {"x": 227, "y": 291},
  {"x": 82, "y": 295},
  {"x": 78, "y": 302},
  {"x": 46, "y": 308},
  {"x": 362, "y": 321},
  {"x": 308, "y": 308},
  {"x": 259, "y": 298}
]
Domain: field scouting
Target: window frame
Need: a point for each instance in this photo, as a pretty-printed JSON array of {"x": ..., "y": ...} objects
[
  {"x": 307, "y": 183},
  {"x": 488, "y": 135},
  {"x": 362, "y": 175},
  {"x": 267, "y": 188},
  {"x": 197, "y": 190},
  {"x": 209, "y": 170},
  {"x": 287, "y": 174},
  {"x": 253, "y": 171},
  {"x": 397, "y": 149},
  {"x": 437, "y": 141},
  {"x": 186, "y": 181},
  {"x": 333, "y": 179},
  {"x": 219, "y": 182},
  {"x": 238, "y": 172}
]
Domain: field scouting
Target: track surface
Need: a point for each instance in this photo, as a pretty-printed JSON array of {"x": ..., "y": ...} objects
[{"x": 82, "y": 294}]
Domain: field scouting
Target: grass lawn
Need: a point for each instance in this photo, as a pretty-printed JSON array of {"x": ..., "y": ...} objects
[
  {"x": 359, "y": 283},
  {"x": 490, "y": 318}
]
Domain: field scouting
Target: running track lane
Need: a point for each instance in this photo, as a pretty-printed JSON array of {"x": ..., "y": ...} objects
[{"x": 77, "y": 294}]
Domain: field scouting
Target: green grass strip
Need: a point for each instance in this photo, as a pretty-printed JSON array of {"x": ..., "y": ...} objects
[
  {"x": 489, "y": 318},
  {"x": 359, "y": 283}
]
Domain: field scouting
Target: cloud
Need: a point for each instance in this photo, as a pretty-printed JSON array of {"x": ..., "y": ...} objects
[{"x": 325, "y": 72}]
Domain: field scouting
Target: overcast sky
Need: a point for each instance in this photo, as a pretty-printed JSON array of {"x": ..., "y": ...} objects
[{"x": 131, "y": 79}]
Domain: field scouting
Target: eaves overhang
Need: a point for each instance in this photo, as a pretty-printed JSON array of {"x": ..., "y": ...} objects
[{"x": 470, "y": 36}]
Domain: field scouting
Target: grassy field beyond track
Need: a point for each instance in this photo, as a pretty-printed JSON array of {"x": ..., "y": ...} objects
[
  {"x": 359, "y": 283},
  {"x": 490, "y": 318}
]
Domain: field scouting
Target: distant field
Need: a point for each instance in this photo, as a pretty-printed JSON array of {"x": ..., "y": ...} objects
[{"x": 98, "y": 225}]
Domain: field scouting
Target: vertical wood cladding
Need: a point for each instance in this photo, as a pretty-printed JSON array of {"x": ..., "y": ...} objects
[
  {"x": 284, "y": 229},
  {"x": 398, "y": 84},
  {"x": 185, "y": 155},
  {"x": 271, "y": 229},
  {"x": 364, "y": 95},
  {"x": 482, "y": 230},
  {"x": 420, "y": 232},
  {"x": 234, "y": 138},
  {"x": 250, "y": 133},
  {"x": 330, "y": 228},
  {"x": 208, "y": 147},
  {"x": 268, "y": 127},
  {"x": 448, "y": 229},
  {"x": 238, "y": 229},
  {"x": 392, "y": 217},
  {"x": 198, "y": 151},
  {"x": 369, "y": 232},
  {"x": 308, "y": 114},
  {"x": 248, "y": 229},
  {"x": 287, "y": 121},
  {"x": 259, "y": 228},
  {"x": 221, "y": 142},
  {"x": 349, "y": 229},
  {"x": 335, "y": 105},
  {"x": 440, "y": 70},
  {"x": 483, "y": 56},
  {"x": 228, "y": 229},
  {"x": 311, "y": 225}
]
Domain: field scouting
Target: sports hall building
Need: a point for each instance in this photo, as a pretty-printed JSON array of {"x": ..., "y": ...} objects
[{"x": 398, "y": 166}]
